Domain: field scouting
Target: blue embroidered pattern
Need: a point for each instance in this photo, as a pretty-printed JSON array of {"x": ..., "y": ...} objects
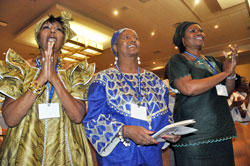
[
  {"x": 120, "y": 95},
  {"x": 102, "y": 130},
  {"x": 101, "y": 126}
]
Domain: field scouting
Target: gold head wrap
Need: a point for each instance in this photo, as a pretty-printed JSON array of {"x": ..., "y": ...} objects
[{"x": 66, "y": 17}]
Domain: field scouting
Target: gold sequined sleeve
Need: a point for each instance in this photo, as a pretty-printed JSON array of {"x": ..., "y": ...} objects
[
  {"x": 80, "y": 77},
  {"x": 12, "y": 75}
]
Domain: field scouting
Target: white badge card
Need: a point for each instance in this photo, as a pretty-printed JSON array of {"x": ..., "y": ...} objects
[
  {"x": 138, "y": 112},
  {"x": 50, "y": 110},
  {"x": 221, "y": 90}
]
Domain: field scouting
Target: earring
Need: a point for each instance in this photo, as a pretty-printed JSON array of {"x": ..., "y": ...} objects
[
  {"x": 139, "y": 60},
  {"x": 116, "y": 60}
]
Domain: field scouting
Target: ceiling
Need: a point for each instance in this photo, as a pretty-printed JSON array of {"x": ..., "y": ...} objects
[{"x": 144, "y": 16}]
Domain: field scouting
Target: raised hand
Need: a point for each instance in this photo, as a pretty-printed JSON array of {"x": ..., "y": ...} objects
[
  {"x": 48, "y": 72},
  {"x": 231, "y": 60},
  {"x": 51, "y": 73}
]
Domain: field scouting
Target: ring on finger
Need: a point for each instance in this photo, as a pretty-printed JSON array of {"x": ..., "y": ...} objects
[
  {"x": 43, "y": 59},
  {"x": 51, "y": 59}
]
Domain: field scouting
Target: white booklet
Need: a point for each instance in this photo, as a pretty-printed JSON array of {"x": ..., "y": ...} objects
[{"x": 178, "y": 128}]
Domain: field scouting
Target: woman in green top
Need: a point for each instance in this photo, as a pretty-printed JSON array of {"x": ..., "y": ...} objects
[
  {"x": 44, "y": 102},
  {"x": 202, "y": 84}
]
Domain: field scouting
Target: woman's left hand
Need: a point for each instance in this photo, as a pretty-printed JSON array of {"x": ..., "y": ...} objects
[{"x": 171, "y": 138}]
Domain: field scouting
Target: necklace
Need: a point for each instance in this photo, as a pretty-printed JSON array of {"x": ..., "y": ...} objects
[
  {"x": 138, "y": 93},
  {"x": 208, "y": 64}
]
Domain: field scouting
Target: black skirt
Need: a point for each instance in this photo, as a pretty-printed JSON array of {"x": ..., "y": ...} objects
[{"x": 211, "y": 154}]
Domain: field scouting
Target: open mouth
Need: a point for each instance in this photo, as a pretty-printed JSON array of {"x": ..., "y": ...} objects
[
  {"x": 51, "y": 39},
  {"x": 132, "y": 46}
]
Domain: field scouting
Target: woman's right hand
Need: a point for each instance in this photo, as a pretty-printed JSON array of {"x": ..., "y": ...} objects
[
  {"x": 230, "y": 60},
  {"x": 139, "y": 135}
]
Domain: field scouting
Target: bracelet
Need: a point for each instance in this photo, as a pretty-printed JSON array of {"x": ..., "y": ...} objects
[
  {"x": 125, "y": 141},
  {"x": 36, "y": 88},
  {"x": 232, "y": 77}
]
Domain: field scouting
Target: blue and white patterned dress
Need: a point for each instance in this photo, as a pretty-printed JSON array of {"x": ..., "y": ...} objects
[{"x": 109, "y": 102}]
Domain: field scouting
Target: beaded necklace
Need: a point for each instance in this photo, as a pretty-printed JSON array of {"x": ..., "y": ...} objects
[
  {"x": 138, "y": 94},
  {"x": 208, "y": 64}
]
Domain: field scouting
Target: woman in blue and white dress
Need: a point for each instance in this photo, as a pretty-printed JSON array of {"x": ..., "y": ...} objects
[{"x": 126, "y": 105}]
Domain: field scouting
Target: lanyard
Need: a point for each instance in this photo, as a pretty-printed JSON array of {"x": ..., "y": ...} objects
[
  {"x": 211, "y": 66},
  {"x": 51, "y": 89},
  {"x": 139, "y": 96},
  {"x": 192, "y": 55}
]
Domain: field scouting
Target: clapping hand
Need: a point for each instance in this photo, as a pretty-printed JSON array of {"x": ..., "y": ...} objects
[{"x": 230, "y": 60}]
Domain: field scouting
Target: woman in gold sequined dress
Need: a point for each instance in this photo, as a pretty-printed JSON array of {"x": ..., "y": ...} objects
[{"x": 44, "y": 102}]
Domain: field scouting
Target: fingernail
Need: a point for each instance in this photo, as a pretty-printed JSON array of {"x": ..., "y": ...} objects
[{"x": 157, "y": 143}]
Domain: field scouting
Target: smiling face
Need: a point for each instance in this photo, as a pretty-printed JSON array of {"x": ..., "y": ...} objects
[
  {"x": 128, "y": 44},
  {"x": 194, "y": 37},
  {"x": 51, "y": 32}
]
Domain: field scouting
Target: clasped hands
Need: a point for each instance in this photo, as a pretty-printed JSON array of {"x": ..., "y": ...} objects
[{"x": 48, "y": 72}]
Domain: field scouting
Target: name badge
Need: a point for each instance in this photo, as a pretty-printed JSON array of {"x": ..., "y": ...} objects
[
  {"x": 221, "y": 90},
  {"x": 47, "y": 111},
  {"x": 138, "y": 112}
]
